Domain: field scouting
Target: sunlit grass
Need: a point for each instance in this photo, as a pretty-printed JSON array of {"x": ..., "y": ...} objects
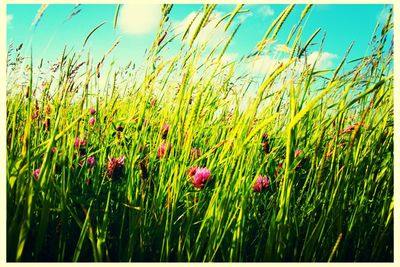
[{"x": 303, "y": 171}]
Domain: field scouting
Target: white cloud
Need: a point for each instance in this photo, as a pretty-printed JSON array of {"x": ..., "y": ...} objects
[
  {"x": 229, "y": 57},
  {"x": 139, "y": 18},
  {"x": 211, "y": 33},
  {"x": 243, "y": 17},
  {"x": 9, "y": 18},
  {"x": 324, "y": 60},
  {"x": 262, "y": 64},
  {"x": 266, "y": 11},
  {"x": 267, "y": 64}
]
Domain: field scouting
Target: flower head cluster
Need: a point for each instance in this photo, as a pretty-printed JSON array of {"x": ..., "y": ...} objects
[
  {"x": 115, "y": 167},
  {"x": 192, "y": 171},
  {"x": 297, "y": 153},
  {"x": 92, "y": 111},
  {"x": 79, "y": 142},
  {"x": 162, "y": 150},
  {"x": 92, "y": 121},
  {"x": 36, "y": 173},
  {"x": 261, "y": 184},
  {"x": 199, "y": 176},
  {"x": 91, "y": 161}
]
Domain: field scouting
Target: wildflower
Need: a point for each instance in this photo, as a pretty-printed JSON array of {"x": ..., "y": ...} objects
[
  {"x": 36, "y": 173},
  {"x": 164, "y": 130},
  {"x": 92, "y": 120},
  {"x": 195, "y": 153},
  {"x": 201, "y": 177},
  {"x": 79, "y": 142},
  {"x": 53, "y": 150},
  {"x": 192, "y": 171},
  {"x": 92, "y": 111},
  {"x": 297, "y": 153},
  {"x": 115, "y": 167},
  {"x": 91, "y": 161},
  {"x": 161, "y": 150},
  {"x": 262, "y": 183}
]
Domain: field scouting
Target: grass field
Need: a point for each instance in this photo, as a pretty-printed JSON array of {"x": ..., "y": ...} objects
[{"x": 176, "y": 163}]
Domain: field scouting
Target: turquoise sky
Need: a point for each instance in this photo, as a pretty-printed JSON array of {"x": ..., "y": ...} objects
[{"x": 343, "y": 24}]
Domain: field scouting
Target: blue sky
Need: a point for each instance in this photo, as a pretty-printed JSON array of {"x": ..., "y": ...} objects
[{"x": 343, "y": 24}]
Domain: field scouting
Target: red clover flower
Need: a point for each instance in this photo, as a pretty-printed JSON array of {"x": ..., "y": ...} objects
[
  {"x": 36, "y": 173},
  {"x": 262, "y": 183},
  {"x": 115, "y": 167},
  {"x": 199, "y": 176}
]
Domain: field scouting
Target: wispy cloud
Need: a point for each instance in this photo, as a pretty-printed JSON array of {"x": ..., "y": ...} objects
[
  {"x": 262, "y": 65},
  {"x": 243, "y": 17},
  {"x": 323, "y": 60},
  {"x": 139, "y": 18},
  {"x": 267, "y": 64},
  {"x": 9, "y": 18},
  {"x": 212, "y": 33},
  {"x": 266, "y": 11},
  {"x": 229, "y": 57}
]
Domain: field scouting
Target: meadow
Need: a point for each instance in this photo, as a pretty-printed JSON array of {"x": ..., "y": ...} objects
[{"x": 175, "y": 163}]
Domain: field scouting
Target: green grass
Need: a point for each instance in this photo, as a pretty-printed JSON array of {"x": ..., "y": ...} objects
[{"x": 332, "y": 203}]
